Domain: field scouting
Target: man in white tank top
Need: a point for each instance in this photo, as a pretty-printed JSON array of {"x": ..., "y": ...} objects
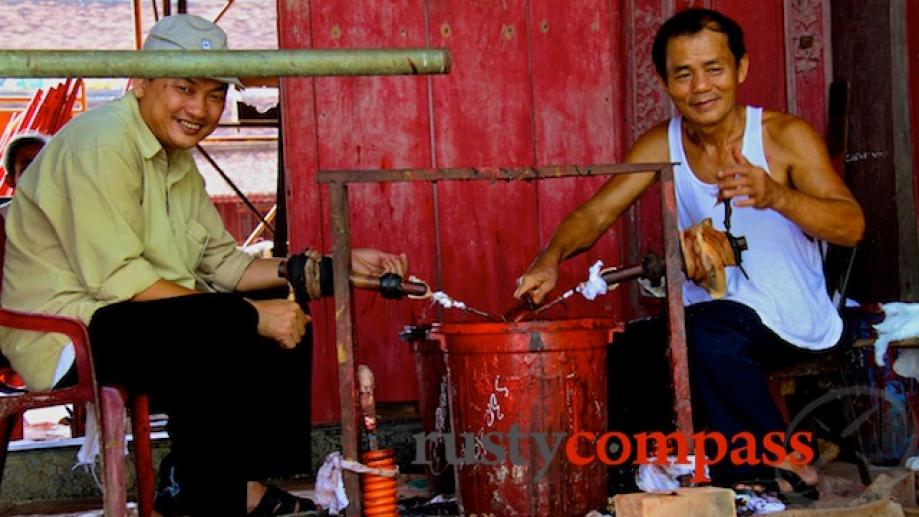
[{"x": 776, "y": 170}]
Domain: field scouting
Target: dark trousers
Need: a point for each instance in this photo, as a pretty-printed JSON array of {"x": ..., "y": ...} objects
[
  {"x": 238, "y": 403},
  {"x": 730, "y": 355}
]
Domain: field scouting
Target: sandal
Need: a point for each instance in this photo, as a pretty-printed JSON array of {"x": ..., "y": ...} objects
[
  {"x": 801, "y": 492},
  {"x": 279, "y": 502}
]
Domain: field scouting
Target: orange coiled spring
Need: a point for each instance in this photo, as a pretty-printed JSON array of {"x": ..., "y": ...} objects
[{"x": 379, "y": 491}]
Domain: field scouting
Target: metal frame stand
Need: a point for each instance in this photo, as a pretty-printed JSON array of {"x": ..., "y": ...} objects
[{"x": 341, "y": 251}]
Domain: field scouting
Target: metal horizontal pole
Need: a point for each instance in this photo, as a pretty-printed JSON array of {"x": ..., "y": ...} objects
[
  {"x": 220, "y": 63},
  {"x": 486, "y": 173}
]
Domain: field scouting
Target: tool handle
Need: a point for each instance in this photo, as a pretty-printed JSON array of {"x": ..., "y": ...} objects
[
  {"x": 651, "y": 268},
  {"x": 393, "y": 283},
  {"x": 617, "y": 276}
]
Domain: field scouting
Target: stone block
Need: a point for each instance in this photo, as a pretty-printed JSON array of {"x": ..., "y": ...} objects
[{"x": 708, "y": 501}]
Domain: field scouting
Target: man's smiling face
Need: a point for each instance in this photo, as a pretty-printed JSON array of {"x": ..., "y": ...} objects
[
  {"x": 180, "y": 112},
  {"x": 703, "y": 76}
]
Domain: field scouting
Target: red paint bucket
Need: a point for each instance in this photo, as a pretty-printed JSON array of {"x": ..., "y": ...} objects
[
  {"x": 530, "y": 379},
  {"x": 433, "y": 404}
]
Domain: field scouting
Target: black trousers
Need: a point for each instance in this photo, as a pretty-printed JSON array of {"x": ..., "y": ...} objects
[
  {"x": 731, "y": 353},
  {"x": 238, "y": 403}
]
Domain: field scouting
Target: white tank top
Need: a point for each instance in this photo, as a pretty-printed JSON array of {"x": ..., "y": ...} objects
[{"x": 786, "y": 286}]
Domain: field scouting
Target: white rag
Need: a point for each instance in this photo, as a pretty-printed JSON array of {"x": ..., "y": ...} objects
[
  {"x": 901, "y": 321},
  {"x": 89, "y": 449},
  {"x": 664, "y": 479},
  {"x": 594, "y": 285},
  {"x": 757, "y": 504},
  {"x": 912, "y": 463},
  {"x": 446, "y": 302},
  {"x": 329, "y": 490}
]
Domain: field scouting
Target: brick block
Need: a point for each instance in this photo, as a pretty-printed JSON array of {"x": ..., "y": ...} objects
[{"x": 707, "y": 501}]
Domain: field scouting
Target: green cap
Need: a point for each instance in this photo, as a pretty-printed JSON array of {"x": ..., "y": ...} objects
[{"x": 188, "y": 32}]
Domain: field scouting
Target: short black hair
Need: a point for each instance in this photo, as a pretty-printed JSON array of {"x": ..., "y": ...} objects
[{"x": 692, "y": 21}]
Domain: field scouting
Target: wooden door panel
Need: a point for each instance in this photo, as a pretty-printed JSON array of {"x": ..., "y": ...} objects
[
  {"x": 369, "y": 123},
  {"x": 483, "y": 117},
  {"x": 578, "y": 120}
]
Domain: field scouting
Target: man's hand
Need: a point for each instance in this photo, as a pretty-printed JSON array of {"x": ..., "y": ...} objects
[
  {"x": 281, "y": 320},
  {"x": 538, "y": 280},
  {"x": 745, "y": 179},
  {"x": 368, "y": 261}
]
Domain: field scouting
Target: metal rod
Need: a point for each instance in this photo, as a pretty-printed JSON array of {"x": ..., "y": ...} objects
[
  {"x": 344, "y": 338},
  {"x": 223, "y": 11},
  {"x": 486, "y": 173},
  {"x": 269, "y": 217},
  {"x": 220, "y": 63},
  {"x": 138, "y": 26},
  {"x": 673, "y": 259},
  {"x": 233, "y": 186}
]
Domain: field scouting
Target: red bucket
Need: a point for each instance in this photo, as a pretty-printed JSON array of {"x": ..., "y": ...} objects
[{"x": 530, "y": 379}]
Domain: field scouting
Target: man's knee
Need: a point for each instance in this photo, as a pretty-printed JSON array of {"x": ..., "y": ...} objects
[{"x": 718, "y": 331}]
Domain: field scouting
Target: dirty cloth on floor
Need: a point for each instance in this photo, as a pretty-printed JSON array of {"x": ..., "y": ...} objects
[
  {"x": 329, "y": 491},
  {"x": 665, "y": 478},
  {"x": 749, "y": 503}
]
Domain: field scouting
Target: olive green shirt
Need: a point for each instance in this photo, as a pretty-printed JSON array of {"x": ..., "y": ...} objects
[{"x": 102, "y": 214}]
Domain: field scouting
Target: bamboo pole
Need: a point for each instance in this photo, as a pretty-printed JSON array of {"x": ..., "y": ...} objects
[{"x": 222, "y": 63}]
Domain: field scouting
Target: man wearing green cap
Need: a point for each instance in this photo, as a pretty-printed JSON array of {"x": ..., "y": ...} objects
[{"x": 113, "y": 226}]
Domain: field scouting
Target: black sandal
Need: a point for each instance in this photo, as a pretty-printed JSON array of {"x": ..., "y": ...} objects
[
  {"x": 801, "y": 492},
  {"x": 278, "y": 502}
]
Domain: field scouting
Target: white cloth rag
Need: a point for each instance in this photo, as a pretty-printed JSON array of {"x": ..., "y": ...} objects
[
  {"x": 329, "y": 490},
  {"x": 912, "y": 463},
  {"x": 594, "y": 285},
  {"x": 89, "y": 450},
  {"x": 665, "y": 478},
  {"x": 446, "y": 302},
  {"x": 757, "y": 504},
  {"x": 901, "y": 321}
]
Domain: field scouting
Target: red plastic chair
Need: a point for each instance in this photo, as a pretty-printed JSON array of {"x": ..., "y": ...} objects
[{"x": 109, "y": 403}]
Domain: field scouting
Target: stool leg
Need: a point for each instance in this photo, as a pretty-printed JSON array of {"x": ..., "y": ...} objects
[
  {"x": 143, "y": 454},
  {"x": 112, "y": 425}
]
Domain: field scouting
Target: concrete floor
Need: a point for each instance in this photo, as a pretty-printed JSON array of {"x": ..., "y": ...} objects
[{"x": 410, "y": 485}]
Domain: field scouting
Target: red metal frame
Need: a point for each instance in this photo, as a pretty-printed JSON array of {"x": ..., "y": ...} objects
[{"x": 341, "y": 251}]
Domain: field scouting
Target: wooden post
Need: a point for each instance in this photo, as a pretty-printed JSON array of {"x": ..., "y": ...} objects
[{"x": 344, "y": 338}]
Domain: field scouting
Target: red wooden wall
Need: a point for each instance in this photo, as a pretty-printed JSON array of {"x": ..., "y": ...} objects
[{"x": 534, "y": 82}]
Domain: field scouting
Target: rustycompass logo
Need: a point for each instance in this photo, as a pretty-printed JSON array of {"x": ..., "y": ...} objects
[{"x": 616, "y": 448}]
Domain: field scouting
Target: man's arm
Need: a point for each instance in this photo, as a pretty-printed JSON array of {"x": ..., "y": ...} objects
[
  {"x": 582, "y": 227},
  {"x": 815, "y": 197},
  {"x": 262, "y": 273}
]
